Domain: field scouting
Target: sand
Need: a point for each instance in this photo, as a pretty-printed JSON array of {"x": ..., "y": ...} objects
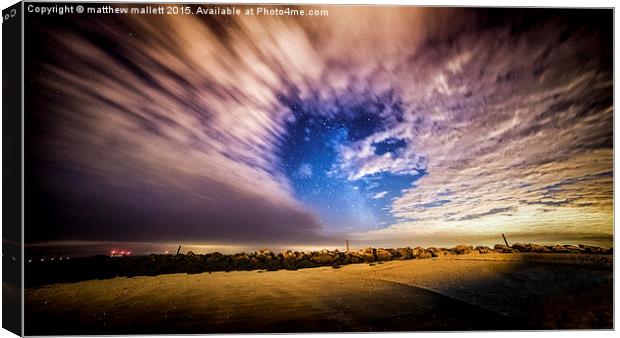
[{"x": 493, "y": 291}]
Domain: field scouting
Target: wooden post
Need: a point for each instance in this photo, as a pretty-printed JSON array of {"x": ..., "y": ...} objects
[
  {"x": 179, "y": 250},
  {"x": 505, "y": 241},
  {"x": 347, "y": 245}
]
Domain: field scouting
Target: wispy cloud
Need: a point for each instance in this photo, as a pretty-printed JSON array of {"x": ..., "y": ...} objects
[
  {"x": 505, "y": 126},
  {"x": 380, "y": 194}
]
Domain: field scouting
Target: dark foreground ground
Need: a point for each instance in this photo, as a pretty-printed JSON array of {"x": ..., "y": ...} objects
[{"x": 453, "y": 292}]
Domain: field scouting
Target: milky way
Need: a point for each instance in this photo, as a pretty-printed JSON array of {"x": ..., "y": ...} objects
[{"x": 372, "y": 123}]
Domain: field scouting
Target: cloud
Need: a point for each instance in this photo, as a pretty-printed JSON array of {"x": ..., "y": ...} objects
[
  {"x": 361, "y": 159},
  {"x": 525, "y": 128},
  {"x": 380, "y": 194},
  {"x": 486, "y": 213},
  {"x": 172, "y": 143},
  {"x": 164, "y": 125}
]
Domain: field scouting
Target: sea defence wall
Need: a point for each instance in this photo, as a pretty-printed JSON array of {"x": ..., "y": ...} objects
[{"x": 44, "y": 272}]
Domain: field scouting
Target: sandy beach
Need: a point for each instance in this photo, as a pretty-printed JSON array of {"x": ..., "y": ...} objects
[{"x": 493, "y": 291}]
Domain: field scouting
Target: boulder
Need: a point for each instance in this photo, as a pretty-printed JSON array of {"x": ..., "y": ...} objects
[
  {"x": 462, "y": 249},
  {"x": 501, "y": 248},
  {"x": 538, "y": 248},
  {"x": 445, "y": 252},
  {"x": 216, "y": 261},
  {"x": 482, "y": 249},
  {"x": 420, "y": 253},
  {"x": 301, "y": 256},
  {"x": 434, "y": 251},
  {"x": 264, "y": 256},
  {"x": 425, "y": 254},
  {"x": 415, "y": 252},
  {"x": 520, "y": 247},
  {"x": 383, "y": 255},
  {"x": 354, "y": 258},
  {"x": 339, "y": 257},
  {"x": 560, "y": 249},
  {"x": 288, "y": 256},
  {"x": 240, "y": 258},
  {"x": 405, "y": 253},
  {"x": 361, "y": 256},
  {"x": 573, "y": 248},
  {"x": 369, "y": 254},
  {"x": 395, "y": 254},
  {"x": 323, "y": 258},
  {"x": 591, "y": 249},
  {"x": 305, "y": 264}
]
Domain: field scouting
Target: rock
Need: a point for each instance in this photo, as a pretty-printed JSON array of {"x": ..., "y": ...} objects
[
  {"x": 216, "y": 261},
  {"x": 572, "y": 248},
  {"x": 369, "y": 254},
  {"x": 323, "y": 258},
  {"x": 560, "y": 249},
  {"x": 301, "y": 256},
  {"x": 361, "y": 256},
  {"x": 353, "y": 259},
  {"x": 433, "y": 251},
  {"x": 383, "y": 255},
  {"x": 538, "y": 248},
  {"x": 240, "y": 258},
  {"x": 482, "y": 249},
  {"x": 416, "y": 251},
  {"x": 501, "y": 248},
  {"x": 591, "y": 249},
  {"x": 462, "y": 249},
  {"x": 425, "y": 254},
  {"x": 445, "y": 252},
  {"x": 288, "y": 256},
  {"x": 340, "y": 257},
  {"x": 405, "y": 253},
  {"x": 264, "y": 256},
  {"x": 420, "y": 253},
  {"x": 395, "y": 254},
  {"x": 305, "y": 264},
  {"x": 520, "y": 247}
]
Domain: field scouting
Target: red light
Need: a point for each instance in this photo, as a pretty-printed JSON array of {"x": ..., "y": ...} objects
[
  {"x": 128, "y": 253},
  {"x": 113, "y": 252}
]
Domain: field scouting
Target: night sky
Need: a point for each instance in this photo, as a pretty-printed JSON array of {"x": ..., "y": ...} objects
[{"x": 381, "y": 125}]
